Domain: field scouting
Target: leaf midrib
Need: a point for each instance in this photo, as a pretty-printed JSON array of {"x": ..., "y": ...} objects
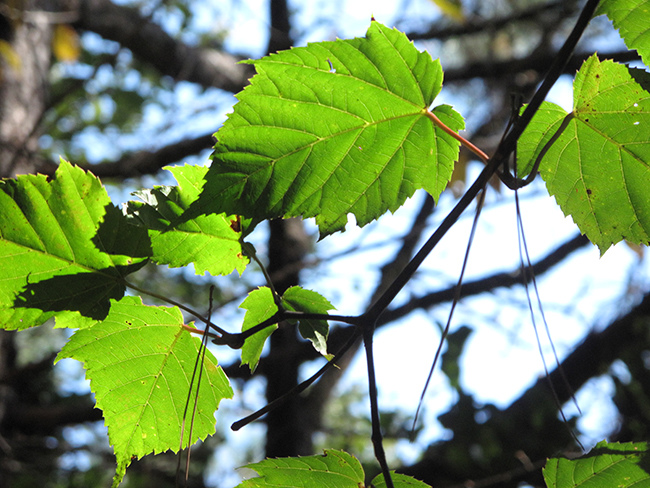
[{"x": 273, "y": 161}]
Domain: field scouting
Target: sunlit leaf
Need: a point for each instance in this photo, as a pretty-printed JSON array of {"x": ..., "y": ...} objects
[
  {"x": 331, "y": 129},
  {"x": 451, "y": 8},
  {"x": 64, "y": 249},
  {"x": 598, "y": 167},
  {"x": 632, "y": 19},
  {"x": 10, "y": 56},
  {"x": 65, "y": 43},
  {"x": 211, "y": 242},
  {"x": 139, "y": 361},
  {"x": 259, "y": 306},
  {"x": 298, "y": 299},
  {"x": 334, "y": 469},
  {"x": 606, "y": 466},
  {"x": 399, "y": 481}
]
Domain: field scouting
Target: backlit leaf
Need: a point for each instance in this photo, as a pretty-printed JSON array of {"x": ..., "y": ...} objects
[
  {"x": 451, "y": 8},
  {"x": 64, "y": 249},
  {"x": 211, "y": 242},
  {"x": 399, "y": 481},
  {"x": 325, "y": 140},
  {"x": 298, "y": 299},
  {"x": 334, "y": 469},
  {"x": 598, "y": 168},
  {"x": 259, "y": 306},
  {"x": 606, "y": 466},
  {"x": 632, "y": 19},
  {"x": 139, "y": 361}
]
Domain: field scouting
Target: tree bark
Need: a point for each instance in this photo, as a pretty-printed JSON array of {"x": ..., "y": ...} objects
[{"x": 25, "y": 84}]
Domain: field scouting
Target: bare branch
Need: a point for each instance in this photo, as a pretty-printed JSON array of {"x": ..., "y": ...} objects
[
  {"x": 559, "y": 8},
  {"x": 625, "y": 335},
  {"x": 487, "y": 284},
  {"x": 151, "y": 44},
  {"x": 148, "y": 162}
]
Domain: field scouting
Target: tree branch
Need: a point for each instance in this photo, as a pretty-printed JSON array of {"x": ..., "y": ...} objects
[
  {"x": 538, "y": 62},
  {"x": 591, "y": 358},
  {"x": 151, "y": 44},
  {"x": 147, "y": 162},
  {"x": 560, "y": 8},
  {"x": 487, "y": 284},
  {"x": 338, "y": 336}
]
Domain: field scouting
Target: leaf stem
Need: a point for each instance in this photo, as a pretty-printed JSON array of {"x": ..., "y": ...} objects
[
  {"x": 252, "y": 253},
  {"x": 296, "y": 390},
  {"x": 439, "y": 123},
  {"x": 185, "y": 308},
  {"x": 517, "y": 183},
  {"x": 194, "y": 330},
  {"x": 503, "y": 151}
]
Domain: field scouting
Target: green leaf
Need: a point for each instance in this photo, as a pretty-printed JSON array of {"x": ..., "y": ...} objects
[
  {"x": 298, "y": 299},
  {"x": 606, "y": 466},
  {"x": 211, "y": 242},
  {"x": 139, "y": 361},
  {"x": 306, "y": 139},
  {"x": 259, "y": 306},
  {"x": 598, "y": 167},
  {"x": 632, "y": 19},
  {"x": 64, "y": 249},
  {"x": 399, "y": 481},
  {"x": 334, "y": 469}
]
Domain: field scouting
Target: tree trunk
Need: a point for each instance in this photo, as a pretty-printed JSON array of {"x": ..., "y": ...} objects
[
  {"x": 24, "y": 87},
  {"x": 288, "y": 427},
  {"x": 288, "y": 431}
]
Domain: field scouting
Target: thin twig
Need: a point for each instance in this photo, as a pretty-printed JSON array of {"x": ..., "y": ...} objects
[
  {"x": 301, "y": 387},
  {"x": 457, "y": 295},
  {"x": 376, "y": 436},
  {"x": 185, "y": 308},
  {"x": 498, "y": 160}
]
